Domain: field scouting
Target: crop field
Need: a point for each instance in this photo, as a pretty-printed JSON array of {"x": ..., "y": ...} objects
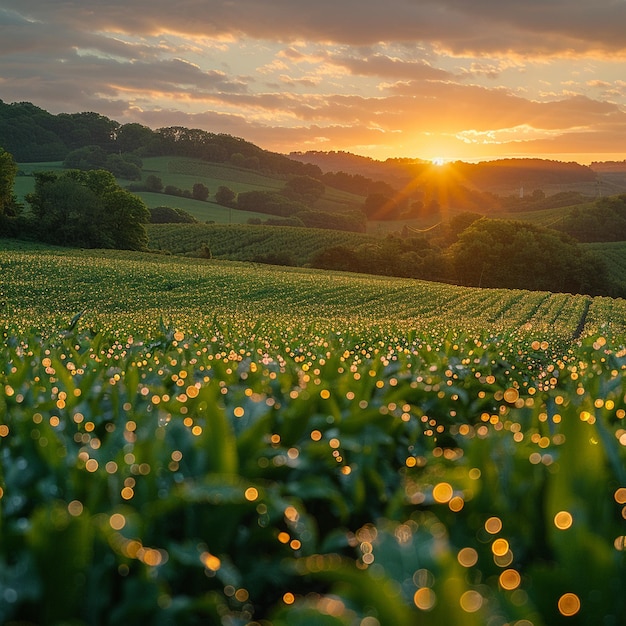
[
  {"x": 207, "y": 442},
  {"x": 244, "y": 242}
]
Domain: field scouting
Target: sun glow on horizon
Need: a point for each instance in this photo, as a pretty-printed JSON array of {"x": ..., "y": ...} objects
[{"x": 438, "y": 161}]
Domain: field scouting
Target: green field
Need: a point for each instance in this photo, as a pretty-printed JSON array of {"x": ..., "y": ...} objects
[
  {"x": 244, "y": 242},
  {"x": 184, "y": 173},
  {"x": 187, "y": 441}
]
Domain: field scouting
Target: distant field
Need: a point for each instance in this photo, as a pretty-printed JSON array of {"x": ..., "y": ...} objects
[
  {"x": 184, "y": 173},
  {"x": 40, "y": 283},
  {"x": 243, "y": 242},
  {"x": 203, "y": 211}
]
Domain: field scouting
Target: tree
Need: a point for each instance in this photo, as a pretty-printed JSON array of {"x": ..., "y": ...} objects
[
  {"x": 304, "y": 188},
  {"x": 200, "y": 192},
  {"x": 89, "y": 209},
  {"x": 124, "y": 217},
  {"x": 225, "y": 196},
  {"x": 378, "y": 206},
  {"x": 154, "y": 183},
  {"x": 8, "y": 171},
  {"x": 238, "y": 159},
  {"x": 519, "y": 255},
  {"x": 132, "y": 137},
  {"x": 86, "y": 158},
  {"x": 450, "y": 230},
  {"x": 120, "y": 167}
]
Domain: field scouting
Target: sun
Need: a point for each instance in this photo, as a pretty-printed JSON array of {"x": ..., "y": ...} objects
[{"x": 438, "y": 161}]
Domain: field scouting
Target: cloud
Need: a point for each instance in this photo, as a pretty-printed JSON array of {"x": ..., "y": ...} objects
[
  {"x": 534, "y": 26},
  {"x": 366, "y": 75},
  {"x": 390, "y": 67}
]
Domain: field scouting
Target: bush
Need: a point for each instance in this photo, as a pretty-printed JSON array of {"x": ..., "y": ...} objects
[{"x": 169, "y": 215}]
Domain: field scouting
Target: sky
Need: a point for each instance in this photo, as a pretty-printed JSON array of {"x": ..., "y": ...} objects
[{"x": 431, "y": 79}]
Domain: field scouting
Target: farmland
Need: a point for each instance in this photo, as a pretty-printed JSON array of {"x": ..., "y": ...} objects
[
  {"x": 195, "y": 441},
  {"x": 244, "y": 242}
]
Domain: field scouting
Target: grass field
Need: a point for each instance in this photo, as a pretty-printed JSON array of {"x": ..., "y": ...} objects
[
  {"x": 184, "y": 173},
  {"x": 213, "y": 442}
]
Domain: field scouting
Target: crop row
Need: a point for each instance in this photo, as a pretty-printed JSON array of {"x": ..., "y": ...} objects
[
  {"x": 272, "y": 475},
  {"x": 243, "y": 242}
]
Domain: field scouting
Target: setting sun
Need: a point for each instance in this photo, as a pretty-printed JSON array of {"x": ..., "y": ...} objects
[{"x": 438, "y": 161}]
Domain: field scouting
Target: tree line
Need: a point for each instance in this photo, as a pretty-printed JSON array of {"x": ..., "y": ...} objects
[
  {"x": 477, "y": 251},
  {"x": 32, "y": 134}
]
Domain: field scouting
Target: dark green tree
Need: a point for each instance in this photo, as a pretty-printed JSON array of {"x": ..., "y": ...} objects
[
  {"x": 154, "y": 183},
  {"x": 131, "y": 137},
  {"x": 8, "y": 171},
  {"x": 379, "y": 206},
  {"x": 86, "y": 158},
  {"x": 519, "y": 255},
  {"x": 225, "y": 196},
  {"x": 87, "y": 209},
  {"x": 120, "y": 167},
  {"x": 200, "y": 192},
  {"x": 238, "y": 159},
  {"x": 304, "y": 188}
]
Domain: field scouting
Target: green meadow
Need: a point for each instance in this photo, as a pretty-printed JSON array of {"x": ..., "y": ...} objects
[{"x": 184, "y": 172}]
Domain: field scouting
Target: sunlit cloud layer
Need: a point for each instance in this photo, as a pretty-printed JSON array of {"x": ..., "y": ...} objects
[{"x": 418, "y": 78}]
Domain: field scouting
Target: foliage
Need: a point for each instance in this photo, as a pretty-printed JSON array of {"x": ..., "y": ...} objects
[
  {"x": 268, "y": 202},
  {"x": 154, "y": 183},
  {"x": 86, "y": 158},
  {"x": 87, "y": 208},
  {"x": 411, "y": 257},
  {"x": 123, "y": 166},
  {"x": 603, "y": 221},
  {"x": 539, "y": 201},
  {"x": 515, "y": 254},
  {"x": 304, "y": 188},
  {"x": 200, "y": 192},
  {"x": 356, "y": 183},
  {"x": 300, "y": 456},
  {"x": 8, "y": 171},
  {"x": 132, "y": 137},
  {"x": 169, "y": 215},
  {"x": 172, "y": 190},
  {"x": 32, "y": 134},
  {"x": 378, "y": 206},
  {"x": 225, "y": 196}
]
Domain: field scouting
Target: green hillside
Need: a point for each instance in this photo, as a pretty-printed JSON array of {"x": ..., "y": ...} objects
[{"x": 184, "y": 172}]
